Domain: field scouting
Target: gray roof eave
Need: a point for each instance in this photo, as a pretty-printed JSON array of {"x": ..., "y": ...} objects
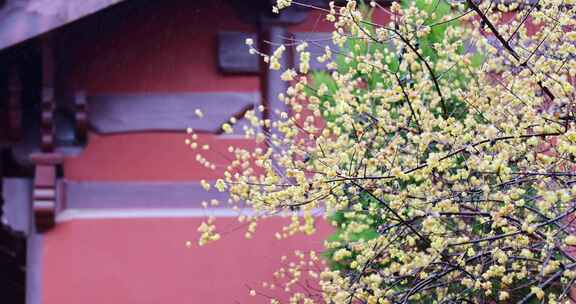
[{"x": 21, "y": 20}]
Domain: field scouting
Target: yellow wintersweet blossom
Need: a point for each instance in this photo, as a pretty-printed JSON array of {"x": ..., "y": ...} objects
[
  {"x": 443, "y": 157},
  {"x": 570, "y": 240}
]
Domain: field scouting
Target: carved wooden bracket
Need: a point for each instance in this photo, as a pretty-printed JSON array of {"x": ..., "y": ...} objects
[
  {"x": 12, "y": 259},
  {"x": 47, "y": 121},
  {"x": 44, "y": 192},
  {"x": 1, "y": 183},
  {"x": 48, "y": 104}
]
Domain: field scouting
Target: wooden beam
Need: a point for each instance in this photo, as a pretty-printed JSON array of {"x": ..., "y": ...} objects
[
  {"x": 233, "y": 55},
  {"x": 138, "y": 195},
  {"x": 166, "y": 112}
]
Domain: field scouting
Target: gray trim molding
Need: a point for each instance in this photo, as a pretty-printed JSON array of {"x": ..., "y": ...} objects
[
  {"x": 233, "y": 55},
  {"x": 34, "y": 268},
  {"x": 167, "y": 112},
  {"x": 138, "y": 195},
  {"x": 24, "y": 19}
]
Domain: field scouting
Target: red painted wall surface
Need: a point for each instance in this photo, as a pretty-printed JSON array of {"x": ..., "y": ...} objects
[
  {"x": 145, "y": 261},
  {"x": 148, "y": 157},
  {"x": 152, "y": 46},
  {"x": 316, "y": 22},
  {"x": 162, "y": 46}
]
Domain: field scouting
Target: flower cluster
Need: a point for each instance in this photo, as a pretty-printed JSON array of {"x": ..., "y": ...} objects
[{"x": 441, "y": 145}]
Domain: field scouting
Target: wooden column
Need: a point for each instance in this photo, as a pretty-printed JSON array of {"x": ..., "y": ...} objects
[
  {"x": 81, "y": 117},
  {"x": 12, "y": 255},
  {"x": 14, "y": 105},
  {"x": 1, "y": 182},
  {"x": 47, "y": 160},
  {"x": 47, "y": 103}
]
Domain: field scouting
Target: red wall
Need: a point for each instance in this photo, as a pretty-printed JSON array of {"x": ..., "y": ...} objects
[
  {"x": 146, "y": 261},
  {"x": 147, "y": 157},
  {"x": 158, "y": 46},
  {"x": 316, "y": 22},
  {"x": 149, "y": 46}
]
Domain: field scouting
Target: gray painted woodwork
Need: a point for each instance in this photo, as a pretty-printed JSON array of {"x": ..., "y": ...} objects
[
  {"x": 233, "y": 53},
  {"x": 292, "y": 15},
  {"x": 166, "y": 112},
  {"x": 24, "y": 19},
  {"x": 17, "y": 204},
  {"x": 138, "y": 195},
  {"x": 34, "y": 268}
]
